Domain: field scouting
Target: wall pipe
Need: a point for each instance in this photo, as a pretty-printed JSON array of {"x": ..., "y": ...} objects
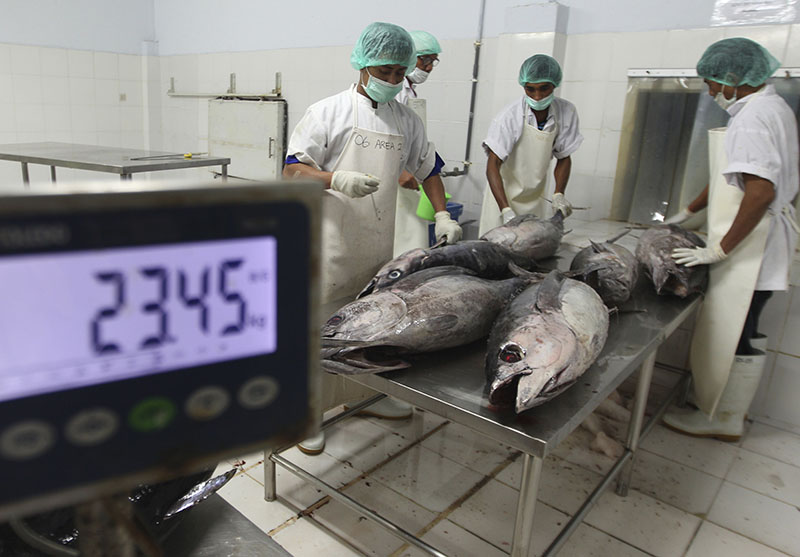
[{"x": 467, "y": 163}]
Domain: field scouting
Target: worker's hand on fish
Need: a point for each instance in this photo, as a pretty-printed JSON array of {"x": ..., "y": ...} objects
[
  {"x": 507, "y": 214},
  {"x": 680, "y": 218},
  {"x": 446, "y": 226},
  {"x": 408, "y": 181},
  {"x": 698, "y": 256},
  {"x": 560, "y": 203},
  {"x": 354, "y": 184}
]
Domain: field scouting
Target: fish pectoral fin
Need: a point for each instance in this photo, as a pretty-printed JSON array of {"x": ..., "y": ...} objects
[{"x": 439, "y": 322}]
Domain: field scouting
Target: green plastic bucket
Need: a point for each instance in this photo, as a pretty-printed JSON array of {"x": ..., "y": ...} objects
[{"x": 424, "y": 207}]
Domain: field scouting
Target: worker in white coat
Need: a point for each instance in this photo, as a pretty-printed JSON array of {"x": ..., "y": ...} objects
[
  {"x": 522, "y": 140},
  {"x": 410, "y": 230},
  {"x": 751, "y": 234},
  {"x": 357, "y": 143}
]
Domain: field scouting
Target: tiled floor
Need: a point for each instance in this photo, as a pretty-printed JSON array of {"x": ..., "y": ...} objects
[{"x": 458, "y": 490}]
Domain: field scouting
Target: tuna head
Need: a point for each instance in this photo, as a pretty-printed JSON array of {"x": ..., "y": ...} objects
[
  {"x": 399, "y": 267},
  {"x": 528, "y": 366},
  {"x": 349, "y": 335}
]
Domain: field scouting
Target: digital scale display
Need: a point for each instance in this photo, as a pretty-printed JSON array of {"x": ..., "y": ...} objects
[{"x": 90, "y": 317}]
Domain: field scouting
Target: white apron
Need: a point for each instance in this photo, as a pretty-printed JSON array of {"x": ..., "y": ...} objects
[
  {"x": 524, "y": 175},
  {"x": 355, "y": 233},
  {"x": 731, "y": 284},
  {"x": 410, "y": 231}
]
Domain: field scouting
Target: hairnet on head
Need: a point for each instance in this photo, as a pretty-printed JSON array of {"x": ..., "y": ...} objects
[
  {"x": 425, "y": 43},
  {"x": 381, "y": 44},
  {"x": 540, "y": 68},
  {"x": 737, "y": 61}
]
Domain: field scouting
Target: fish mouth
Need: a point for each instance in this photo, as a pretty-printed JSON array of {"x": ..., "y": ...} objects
[
  {"x": 368, "y": 289},
  {"x": 360, "y": 360},
  {"x": 506, "y": 392},
  {"x": 503, "y": 392}
]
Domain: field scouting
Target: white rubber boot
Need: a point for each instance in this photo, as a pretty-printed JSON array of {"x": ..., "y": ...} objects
[
  {"x": 313, "y": 445},
  {"x": 759, "y": 342},
  {"x": 728, "y": 423},
  {"x": 389, "y": 409}
]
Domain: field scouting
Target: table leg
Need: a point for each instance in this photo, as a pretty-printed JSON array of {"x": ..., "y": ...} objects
[
  {"x": 125, "y": 177},
  {"x": 637, "y": 416},
  {"x": 224, "y": 172},
  {"x": 53, "y": 174},
  {"x": 26, "y": 179},
  {"x": 521, "y": 545},
  {"x": 270, "y": 481}
]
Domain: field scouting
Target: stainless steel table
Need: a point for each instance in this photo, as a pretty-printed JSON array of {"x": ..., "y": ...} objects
[
  {"x": 114, "y": 160},
  {"x": 451, "y": 383}
]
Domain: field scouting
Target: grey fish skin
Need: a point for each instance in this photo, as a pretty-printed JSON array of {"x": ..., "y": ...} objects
[
  {"x": 543, "y": 341},
  {"x": 654, "y": 252},
  {"x": 610, "y": 269},
  {"x": 486, "y": 259},
  {"x": 529, "y": 236},
  {"x": 429, "y": 310}
]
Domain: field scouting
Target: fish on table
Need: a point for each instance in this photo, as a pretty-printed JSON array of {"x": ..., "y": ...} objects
[
  {"x": 543, "y": 340},
  {"x": 654, "y": 252},
  {"x": 529, "y": 236},
  {"x": 611, "y": 269},
  {"x": 429, "y": 310},
  {"x": 485, "y": 259}
]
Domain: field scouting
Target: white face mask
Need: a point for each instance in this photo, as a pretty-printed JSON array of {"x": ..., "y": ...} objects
[
  {"x": 418, "y": 76},
  {"x": 724, "y": 103}
]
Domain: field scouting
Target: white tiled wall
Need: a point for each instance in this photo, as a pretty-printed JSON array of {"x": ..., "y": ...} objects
[{"x": 54, "y": 94}]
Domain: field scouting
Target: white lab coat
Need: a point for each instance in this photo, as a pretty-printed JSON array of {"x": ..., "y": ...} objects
[
  {"x": 762, "y": 141},
  {"x": 407, "y": 92},
  {"x": 506, "y": 128},
  {"x": 320, "y": 136}
]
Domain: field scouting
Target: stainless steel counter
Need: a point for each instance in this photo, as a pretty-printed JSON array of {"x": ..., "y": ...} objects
[
  {"x": 452, "y": 383},
  {"x": 114, "y": 160}
]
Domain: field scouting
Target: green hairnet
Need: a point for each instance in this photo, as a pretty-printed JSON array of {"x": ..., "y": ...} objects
[
  {"x": 540, "y": 68},
  {"x": 381, "y": 44},
  {"x": 737, "y": 61},
  {"x": 425, "y": 43}
]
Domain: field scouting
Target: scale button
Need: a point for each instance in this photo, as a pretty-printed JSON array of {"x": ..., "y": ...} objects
[
  {"x": 26, "y": 440},
  {"x": 258, "y": 392},
  {"x": 91, "y": 427},
  {"x": 207, "y": 403},
  {"x": 152, "y": 414}
]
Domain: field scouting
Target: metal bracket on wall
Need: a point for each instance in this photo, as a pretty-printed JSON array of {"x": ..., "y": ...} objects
[{"x": 231, "y": 92}]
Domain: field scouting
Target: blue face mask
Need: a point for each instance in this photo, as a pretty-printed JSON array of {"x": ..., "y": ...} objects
[
  {"x": 540, "y": 104},
  {"x": 381, "y": 91}
]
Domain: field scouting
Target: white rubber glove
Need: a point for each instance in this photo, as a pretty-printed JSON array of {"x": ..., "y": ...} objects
[
  {"x": 698, "y": 256},
  {"x": 560, "y": 203},
  {"x": 354, "y": 184},
  {"x": 507, "y": 214},
  {"x": 679, "y": 218},
  {"x": 446, "y": 226}
]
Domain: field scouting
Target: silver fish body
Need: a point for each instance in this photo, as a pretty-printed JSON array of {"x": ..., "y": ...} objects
[
  {"x": 429, "y": 310},
  {"x": 529, "y": 236},
  {"x": 654, "y": 252},
  {"x": 543, "y": 341},
  {"x": 485, "y": 259},
  {"x": 610, "y": 269}
]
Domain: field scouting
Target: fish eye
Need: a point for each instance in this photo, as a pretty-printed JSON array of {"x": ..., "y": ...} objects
[
  {"x": 511, "y": 353},
  {"x": 335, "y": 320},
  {"x": 394, "y": 274}
]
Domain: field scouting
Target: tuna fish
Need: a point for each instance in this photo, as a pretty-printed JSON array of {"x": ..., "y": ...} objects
[
  {"x": 485, "y": 259},
  {"x": 610, "y": 269},
  {"x": 654, "y": 252},
  {"x": 529, "y": 236},
  {"x": 543, "y": 341},
  {"x": 429, "y": 310}
]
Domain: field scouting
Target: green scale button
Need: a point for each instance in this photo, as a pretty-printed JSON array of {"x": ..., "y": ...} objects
[{"x": 152, "y": 414}]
